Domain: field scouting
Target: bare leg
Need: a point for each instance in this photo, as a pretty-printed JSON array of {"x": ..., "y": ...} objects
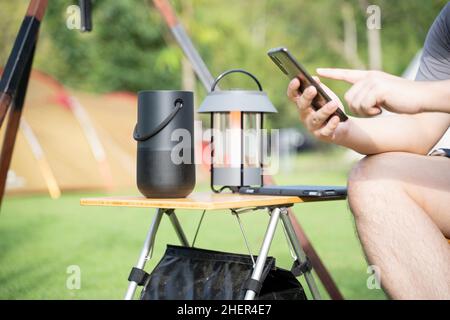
[{"x": 401, "y": 204}]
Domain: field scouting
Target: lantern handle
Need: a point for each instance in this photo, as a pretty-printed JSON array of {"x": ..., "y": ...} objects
[{"x": 223, "y": 74}]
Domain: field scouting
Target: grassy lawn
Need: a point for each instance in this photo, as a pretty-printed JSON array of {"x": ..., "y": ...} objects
[{"x": 41, "y": 238}]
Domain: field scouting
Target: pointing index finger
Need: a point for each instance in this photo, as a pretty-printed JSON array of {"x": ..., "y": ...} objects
[{"x": 347, "y": 75}]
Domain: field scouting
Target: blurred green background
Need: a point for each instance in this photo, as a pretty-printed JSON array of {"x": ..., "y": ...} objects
[{"x": 131, "y": 49}]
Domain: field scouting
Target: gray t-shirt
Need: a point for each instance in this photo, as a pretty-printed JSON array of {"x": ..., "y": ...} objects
[{"x": 435, "y": 61}]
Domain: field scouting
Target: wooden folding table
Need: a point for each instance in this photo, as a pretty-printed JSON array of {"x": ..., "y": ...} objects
[{"x": 276, "y": 205}]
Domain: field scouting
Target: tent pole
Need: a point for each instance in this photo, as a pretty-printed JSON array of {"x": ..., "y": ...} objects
[
  {"x": 200, "y": 68},
  {"x": 44, "y": 166},
  {"x": 5, "y": 101},
  {"x": 184, "y": 42},
  {"x": 93, "y": 139},
  {"x": 12, "y": 126},
  {"x": 20, "y": 55},
  {"x": 14, "y": 82}
]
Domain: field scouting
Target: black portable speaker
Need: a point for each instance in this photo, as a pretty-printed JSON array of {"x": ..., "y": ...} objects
[{"x": 165, "y": 148}]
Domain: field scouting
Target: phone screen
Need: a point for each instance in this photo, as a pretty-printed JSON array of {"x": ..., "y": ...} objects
[{"x": 287, "y": 63}]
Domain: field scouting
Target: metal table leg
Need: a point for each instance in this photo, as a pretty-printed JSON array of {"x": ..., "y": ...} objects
[
  {"x": 146, "y": 251},
  {"x": 259, "y": 266},
  {"x": 177, "y": 226},
  {"x": 299, "y": 252}
]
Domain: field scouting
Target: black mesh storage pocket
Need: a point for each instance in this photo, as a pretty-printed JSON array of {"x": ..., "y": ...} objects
[{"x": 197, "y": 274}]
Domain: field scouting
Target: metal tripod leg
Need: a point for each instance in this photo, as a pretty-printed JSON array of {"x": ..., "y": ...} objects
[
  {"x": 260, "y": 262},
  {"x": 177, "y": 226},
  {"x": 146, "y": 251},
  {"x": 299, "y": 253}
]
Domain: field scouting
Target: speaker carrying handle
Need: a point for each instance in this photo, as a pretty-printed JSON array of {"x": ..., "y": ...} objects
[{"x": 162, "y": 125}]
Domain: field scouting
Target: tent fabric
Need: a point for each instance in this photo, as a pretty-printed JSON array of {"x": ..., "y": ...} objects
[{"x": 89, "y": 148}]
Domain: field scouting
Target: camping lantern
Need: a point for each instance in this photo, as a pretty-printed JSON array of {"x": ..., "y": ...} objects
[{"x": 236, "y": 134}]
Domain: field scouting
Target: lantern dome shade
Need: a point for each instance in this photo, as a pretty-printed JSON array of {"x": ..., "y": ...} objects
[{"x": 237, "y": 100}]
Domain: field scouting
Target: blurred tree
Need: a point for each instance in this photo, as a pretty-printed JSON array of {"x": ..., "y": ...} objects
[
  {"x": 320, "y": 33},
  {"x": 125, "y": 51},
  {"x": 130, "y": 48},
  {"x": 11, "y": 15}
]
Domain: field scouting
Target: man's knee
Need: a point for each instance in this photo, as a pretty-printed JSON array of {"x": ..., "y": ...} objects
[
  {"x": 371, "y": 179},
  {"x": 357, "y": 184}
]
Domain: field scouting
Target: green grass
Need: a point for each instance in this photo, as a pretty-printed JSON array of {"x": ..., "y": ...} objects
[{"x": 41, "y": 237}]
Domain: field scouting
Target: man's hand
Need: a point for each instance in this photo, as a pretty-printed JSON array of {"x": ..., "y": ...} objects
[
  {"x": 397, "y": 132},
  {"x": 316, "y": 121},
  {"x": 373, "y": 90}
]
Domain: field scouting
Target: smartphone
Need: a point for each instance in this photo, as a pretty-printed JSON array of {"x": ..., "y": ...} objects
[{"x": 293, "y": 69}]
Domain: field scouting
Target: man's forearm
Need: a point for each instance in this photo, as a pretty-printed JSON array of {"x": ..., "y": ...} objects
[
  {"x": 436, "y": 96},
  {"x": 403, "y": 133}
]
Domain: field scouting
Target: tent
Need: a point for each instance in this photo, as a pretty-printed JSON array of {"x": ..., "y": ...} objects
[{"x": 72, "y": 141}]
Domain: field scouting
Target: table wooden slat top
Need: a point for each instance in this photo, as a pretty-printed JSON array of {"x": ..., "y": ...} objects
[{"x": 202, "y": 201}]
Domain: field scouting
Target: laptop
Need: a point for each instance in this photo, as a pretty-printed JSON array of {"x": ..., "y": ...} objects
[{"x": 299, "y": 191}]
